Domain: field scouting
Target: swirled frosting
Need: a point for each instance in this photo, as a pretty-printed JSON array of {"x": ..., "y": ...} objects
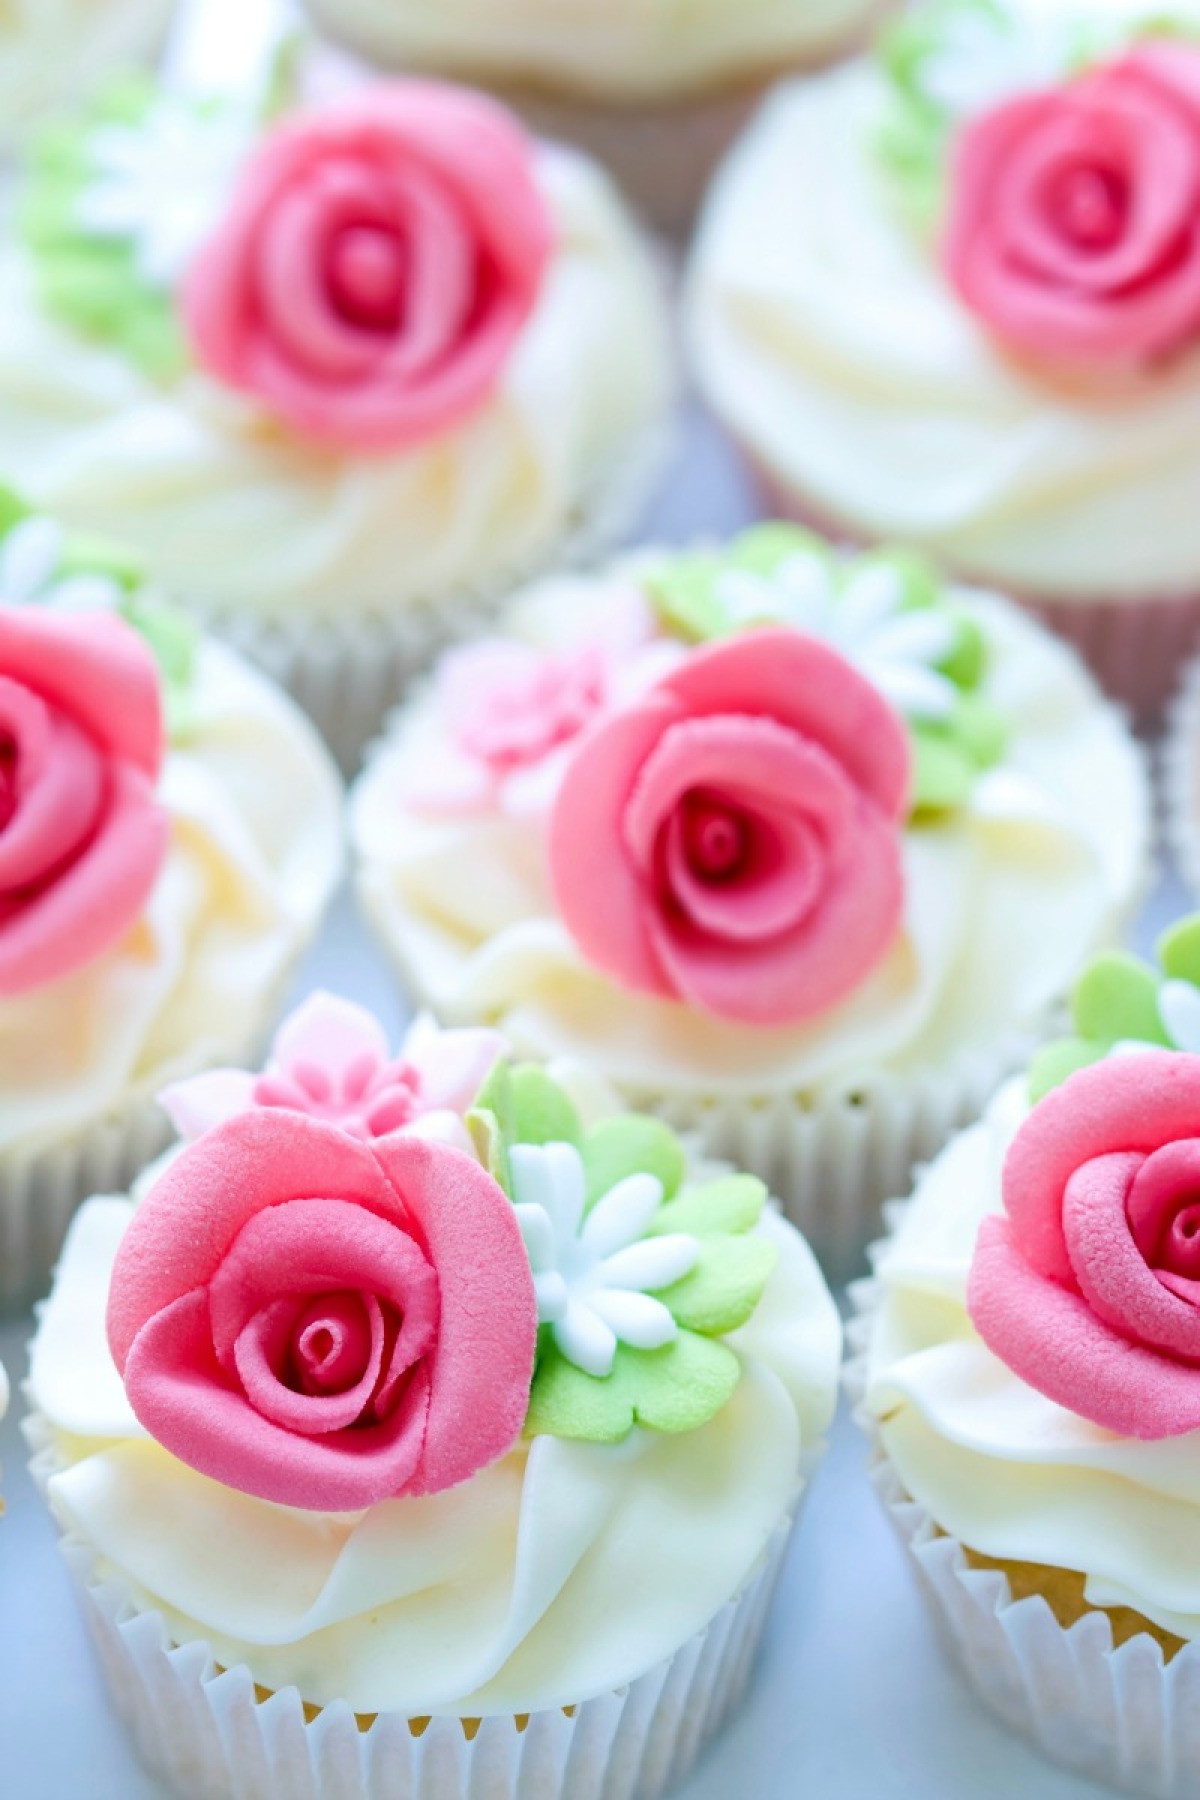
[
  {"x": 1010, "y": 1473},
  {"x": 828, "y": 338},
  {"x": 50, "y": 49},
  {"x": 631, "y": 50},
  {"x": 254, "y": 856},
  {"x": 1002, "y": 898},
  {"x": 493, "y": 1596},
  {"x": 189, "y": 474}
]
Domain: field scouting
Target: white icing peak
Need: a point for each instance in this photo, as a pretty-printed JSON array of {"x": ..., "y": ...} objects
[{"x": 594, "y": 1276}]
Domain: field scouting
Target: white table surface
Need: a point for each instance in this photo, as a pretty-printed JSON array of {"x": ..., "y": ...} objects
[{"x": 852, "y": 1697}]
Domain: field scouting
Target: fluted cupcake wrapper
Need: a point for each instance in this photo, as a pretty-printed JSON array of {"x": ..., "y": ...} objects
[
  {"x": 348, "y": 672},
  {"x": 211, "y": 1734},
  {"x": 1120, "y": 1714}
]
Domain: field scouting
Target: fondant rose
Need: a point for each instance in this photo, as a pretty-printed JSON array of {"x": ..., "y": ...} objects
[
  {"x": 323, "y": 1322},
  {"x": 82, "y": 836},
  {"x": 1089, "y": 1288},
  {"x": 1074, "y": 227},
  {"x": 376, "y": 264},
  {"x": 731, "y": 839},
  {"x": 331, "y": 1060}
]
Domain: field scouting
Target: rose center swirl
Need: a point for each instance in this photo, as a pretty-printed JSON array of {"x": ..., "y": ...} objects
[{"x": 368, "y": 274}]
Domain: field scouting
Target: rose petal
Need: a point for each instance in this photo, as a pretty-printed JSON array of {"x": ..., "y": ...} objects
[
  {"x": 1051, "y": 1338},
  {"x": 96, "y": 670},
  {"x": 262, "y": 1348},
  {"x": 59, "y": 781},
  {"x": 205, "y": 1101}
]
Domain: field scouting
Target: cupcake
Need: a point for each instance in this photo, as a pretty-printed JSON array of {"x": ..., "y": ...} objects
[
  {"x": 657, "y": 93},
  {"x": 1181, "y": 778},
  {"x": 948, "y": 295},
  {"x": 472, "y": 1475},
  {"x": 1031, "y": 1384},
  {"x": 336, "y": 377},
  {"x": 169, "y": 838},
  {"x": 798, "y": 850},
  {"x": 52, "y": 49}
]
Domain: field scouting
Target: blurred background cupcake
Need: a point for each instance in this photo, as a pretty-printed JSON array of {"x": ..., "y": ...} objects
[
  {"x": 949, "y": 295},
  {"x": 170, "y": 836},
  {"x": 474, "y": 1474},
  {"x": 338, "y": 377},
  {"x": 1029, "y": 1380},
  {"x": 51, "y": 50},
  {"x": 656, "y": 92},
  {"x": 799, "y": 851}
]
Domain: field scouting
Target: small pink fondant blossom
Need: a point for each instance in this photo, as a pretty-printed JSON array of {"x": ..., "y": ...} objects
[
  {"x": 331, "y": 1060},
  {"x": 516, "y": 713}
]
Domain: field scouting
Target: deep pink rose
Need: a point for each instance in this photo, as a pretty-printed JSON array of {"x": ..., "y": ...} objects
[
  {"x": 1074, "y": 226},
  {"x": 1089, "y": 1289},
  {"x": 324, "y": 1322},
  {"x": 732, "y": 839},
  {"x": 82, "y": 837},
  {"x": 376, "y": 265}
]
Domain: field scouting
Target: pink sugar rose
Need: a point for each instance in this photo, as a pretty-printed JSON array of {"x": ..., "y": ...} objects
[
  {"x": 1074, "y": 226},
  {"x": 1089, "y": 1288},
  {"x": 323, "y": 1322},
  {"x": 82, "y": 836},
  {"x": 378, "y": 261},
  {"x": 731, "y": 839},
  {"x": 331, "y": 1060}
]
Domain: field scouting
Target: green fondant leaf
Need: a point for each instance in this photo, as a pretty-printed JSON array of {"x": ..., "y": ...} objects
[
  {"x": 1056, "y": 1062},
  {"x": 1117, "y": 997},
  {"x": 490, "y": 1124},
  {"x": 541, "y": 1112},
  {"x": 732, "y": 1204},
  {"x": 981, "y": 729},
  {"x": 675, "y": 1389},
  {"x": 764, "y": 548},
  {"x": 724, "y": 1287},
  {"x": 943, "y": 772},
  {"x": 1179, "y": 950},
  {"x": 175, "y": 642},
  {"x": 631, "y": 1144},
  {"x": 967, "y": 663}
]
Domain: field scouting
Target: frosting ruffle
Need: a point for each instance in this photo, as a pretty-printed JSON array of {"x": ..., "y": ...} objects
[{"x": 50, "y": 49}]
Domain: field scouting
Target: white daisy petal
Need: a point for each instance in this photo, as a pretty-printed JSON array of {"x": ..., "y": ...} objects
[
  {"x": 586, "y": 1340},
  {"x": 655, "y": 1263},
  {"x": 921, "y": 636},
  {"x": 915, "y": 692},
  {"x": 550, "y": 1176},
  {"x": 85, "y": 593},
  {"x": 636, "y": 1319},
  {"x": 746, "y": 597},
  {"x": 538, "y": 1235},
  {"x": 1179, "y": 1009},
  {"x": 30, "y": 558},
  {"x": 871, "y": 596},
  {"x": 623, "y": 1215},
  {"x": 553, "y": 1296},
  {"x": 805, "y": 584}
]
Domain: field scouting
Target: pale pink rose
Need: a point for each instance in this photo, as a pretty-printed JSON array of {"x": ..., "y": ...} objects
[
  {"x": 377, "y": 264},
  {"x": 323, "y": 1322},
  {"x": 1074, "y": 226},
  {"x": 732, "y": 838},
  {"x": 82, "y": 835},
  {"x": 1089, "y": 1287},
  {"x": 331, "y": 1060}
]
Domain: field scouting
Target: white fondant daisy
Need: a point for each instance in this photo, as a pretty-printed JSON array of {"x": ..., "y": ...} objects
[
  {"x": 596, "y": 1275},
  {"x": 984, "y": 57},
  {"x": 864, "y": 618},
  {"x": 1179, "y": 1014},
  {"x": 162, "y": 181},
  {"x": 31, "y": 558}
]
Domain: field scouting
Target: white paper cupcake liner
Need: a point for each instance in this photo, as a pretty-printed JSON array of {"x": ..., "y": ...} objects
[
  {"x": 348, "y": 672},
  {"x": 1180, "y": 784},
  {"x": 1121, "y": 1714},
  {"x": 211, "y": 1735},
  {"x": 41, "y": 1189}
]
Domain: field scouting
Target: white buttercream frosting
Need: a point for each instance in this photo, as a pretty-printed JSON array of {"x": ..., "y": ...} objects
[
  {"x": 618, "y": 50},
  {"x": 1004, "y": 901},
  {"x": 52, "y": 49},
  {"x": 255, "y": 853},
  {"x": 563, "y": 1571},
  {"x": 228, "y": 510},
  {"x": 827, "y": 337},
  {"x": 1009, "y": 1473}
]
